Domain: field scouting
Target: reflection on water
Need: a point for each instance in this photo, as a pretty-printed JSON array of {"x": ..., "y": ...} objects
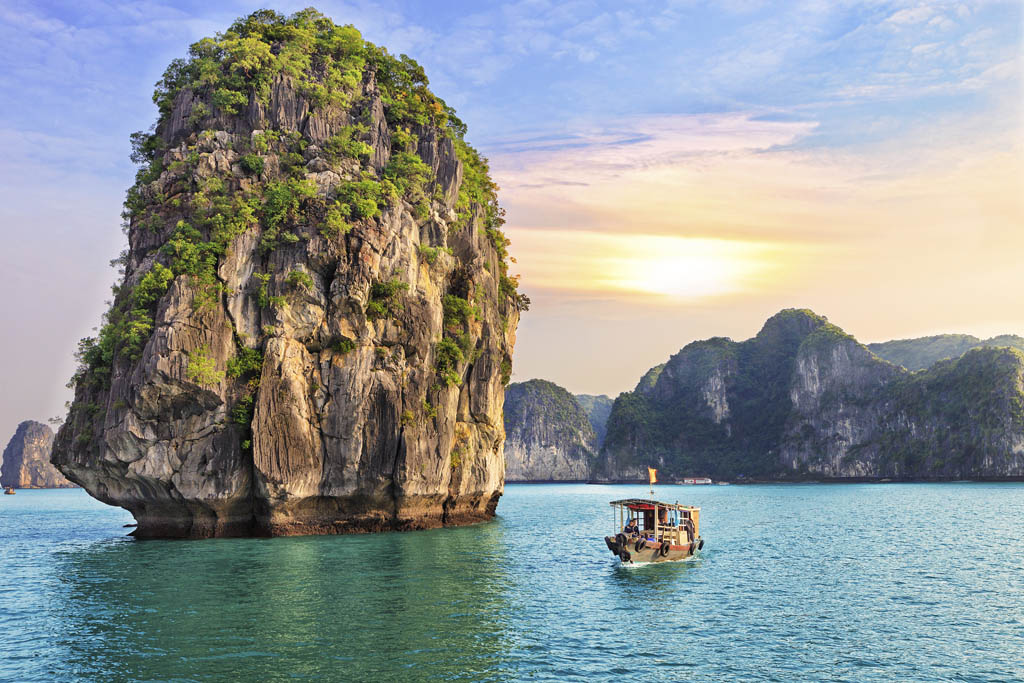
[
  {"x": 829, "y": 582},
  {"x": 355, "y": 607}
]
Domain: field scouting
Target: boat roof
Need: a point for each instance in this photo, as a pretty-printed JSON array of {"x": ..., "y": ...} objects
[{"x": 647, "y": 504}]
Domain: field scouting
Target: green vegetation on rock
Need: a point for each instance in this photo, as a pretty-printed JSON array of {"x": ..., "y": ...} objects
[
  {"x": 202, "y": 368},
  {"x": 649, "y": 379},
  {"x": 921, "y": 353},
  {"x": 228, "y": 75},
  {"x": 431, "y": 254},
  {"x": 248, "y": 362},
  {"x": 385, "y": 299},
  {"x": 540, "y": 399},
  {"x": 448, "y": 359},
  {"x": 300, "y": 279}
]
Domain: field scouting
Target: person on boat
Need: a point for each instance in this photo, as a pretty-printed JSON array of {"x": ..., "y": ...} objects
[
  {"x": 631, "y": 527},
  {"x": 690, "y": 529}
]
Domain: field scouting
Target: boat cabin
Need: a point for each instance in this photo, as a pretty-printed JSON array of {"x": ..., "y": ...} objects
[{"x": 657, "y": 521}]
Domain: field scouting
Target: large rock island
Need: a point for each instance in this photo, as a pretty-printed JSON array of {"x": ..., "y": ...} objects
[
  {"x": 803, "y": 399},
  {"x": 26, "y": 459},
  {"x": 315, "y": 325}
]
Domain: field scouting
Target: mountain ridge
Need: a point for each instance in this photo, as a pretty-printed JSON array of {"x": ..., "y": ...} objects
[
  {"x": 920, "y": 353},
  {"x": 803, "y": 398}
]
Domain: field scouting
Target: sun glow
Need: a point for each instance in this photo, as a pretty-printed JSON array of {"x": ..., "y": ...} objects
[
  {"x": 675, "y": 267},
  {"x": 687, "y": 268}
]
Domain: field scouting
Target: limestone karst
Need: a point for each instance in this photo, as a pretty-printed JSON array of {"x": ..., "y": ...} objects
[
  {"x": 316, "y": 321},
  {"x": 804, "y": 399},
  {"x": 26, "y": 459},
  {"x": 549, "y": 436}
]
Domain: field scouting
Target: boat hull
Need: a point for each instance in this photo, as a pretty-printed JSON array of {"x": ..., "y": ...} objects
[{"x": 642, "y": 552}]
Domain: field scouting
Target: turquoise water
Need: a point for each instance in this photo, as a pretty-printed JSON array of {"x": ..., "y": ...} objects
[{"x": 919, "y": 582}]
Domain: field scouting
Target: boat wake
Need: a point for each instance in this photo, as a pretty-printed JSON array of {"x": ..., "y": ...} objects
[{"x": 689, "y": 561}]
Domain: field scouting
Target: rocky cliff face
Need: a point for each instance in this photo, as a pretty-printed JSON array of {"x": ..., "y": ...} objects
[
  {"x": 26, "y": 460},
  {"x": 960, "y": 419},
  {"x": 803, "y": 398},
  {"x": 836, "y": 406},
  {"x": 598, "y": 409},
  {"x": 549, "y": 437},
  {"x": 315, "y": 324}
]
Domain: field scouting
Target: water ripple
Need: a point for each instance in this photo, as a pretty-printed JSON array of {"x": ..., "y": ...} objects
[{"x": 816, "y": 582}]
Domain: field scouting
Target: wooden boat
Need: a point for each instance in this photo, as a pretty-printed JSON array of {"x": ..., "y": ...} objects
[
  {"x": 9, "y": 491},
  {"x": 652, "y": 531}
]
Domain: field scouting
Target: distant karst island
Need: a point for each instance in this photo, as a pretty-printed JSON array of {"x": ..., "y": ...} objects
[
  {"x": 551, "y": 435},
  {"x": 26, "y": 459},
  {"x": 801, "y": 400},
  {"x": 316, "y": 320}
]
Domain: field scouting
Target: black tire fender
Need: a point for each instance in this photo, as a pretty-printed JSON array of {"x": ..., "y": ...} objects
[
  {"x": 612, "y": 545},
  {"x": 640, "y": 544},
  {"x": 700, "y": 546},
  {"x": 621, "y": 540},
  {"x": 624, "y": 555},
  {"x": 664, "y": 548}
]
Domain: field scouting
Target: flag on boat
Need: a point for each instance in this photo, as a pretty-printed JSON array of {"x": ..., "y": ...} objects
[{"x": 652, "y": 474}]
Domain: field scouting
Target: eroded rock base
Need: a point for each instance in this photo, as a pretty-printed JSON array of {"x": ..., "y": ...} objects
[{"x": 313, "y": 516}]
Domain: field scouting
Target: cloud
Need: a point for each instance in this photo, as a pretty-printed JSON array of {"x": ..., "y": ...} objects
[
  {"x": 942, "y": 23},
  {"x": 911, "y": 16},
  {"x": 662, "y": 140},
  {"x": 925, "y": 48}
]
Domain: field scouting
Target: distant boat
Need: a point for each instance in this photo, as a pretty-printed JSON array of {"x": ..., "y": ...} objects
[
  {"x": 696, "y": 480},
  {"x": 9, "y": 491},
  {"x": 722, "y": 483}
]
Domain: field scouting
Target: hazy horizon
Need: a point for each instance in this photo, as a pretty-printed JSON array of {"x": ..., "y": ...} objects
[{"x": 671, "y": 171}]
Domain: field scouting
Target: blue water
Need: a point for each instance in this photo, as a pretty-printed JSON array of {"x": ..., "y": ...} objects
[{"x": 919, "y": 582}]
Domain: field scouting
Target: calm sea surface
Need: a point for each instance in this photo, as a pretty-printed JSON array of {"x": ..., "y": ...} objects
[{"x": 796, "y": 582}]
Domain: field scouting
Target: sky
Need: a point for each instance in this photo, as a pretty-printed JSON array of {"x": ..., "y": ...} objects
[{"x": 671, "y": 170}]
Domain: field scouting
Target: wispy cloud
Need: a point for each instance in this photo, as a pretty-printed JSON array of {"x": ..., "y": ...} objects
[
  {"x": 739, "y": 181},
  {"x": 911, "y": 16},
  {"x": 600, "y": 178}
]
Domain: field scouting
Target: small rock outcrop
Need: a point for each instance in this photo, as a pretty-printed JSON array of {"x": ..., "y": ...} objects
[
  {"x": 26, "y": 460},
  {"x": 315, "y": 325},
  {"x": 803, "y": 399},
  {"x": 548, "y": 435}
]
